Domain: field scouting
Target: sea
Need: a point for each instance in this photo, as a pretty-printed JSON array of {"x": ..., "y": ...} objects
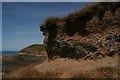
[{"x": 8, "y": 52}]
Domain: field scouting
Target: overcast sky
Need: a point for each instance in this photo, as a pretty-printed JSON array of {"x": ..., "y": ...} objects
[{"x": 21, "y": 21}]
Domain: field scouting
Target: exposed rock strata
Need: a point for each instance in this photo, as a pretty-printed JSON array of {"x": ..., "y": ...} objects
[{"x": 90, "y": 33}]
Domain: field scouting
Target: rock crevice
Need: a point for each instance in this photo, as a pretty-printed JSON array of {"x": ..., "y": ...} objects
[{"x": 89, "y": 33}]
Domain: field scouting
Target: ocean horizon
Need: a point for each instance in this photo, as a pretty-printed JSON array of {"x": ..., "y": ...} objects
[{"x": 8, "y": 52}]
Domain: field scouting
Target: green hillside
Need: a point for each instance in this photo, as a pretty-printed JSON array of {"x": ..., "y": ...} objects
[{"x": 33, "y": 49}]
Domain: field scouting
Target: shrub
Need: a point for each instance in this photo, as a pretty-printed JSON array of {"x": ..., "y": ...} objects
[{"x": 51, "y": 20}]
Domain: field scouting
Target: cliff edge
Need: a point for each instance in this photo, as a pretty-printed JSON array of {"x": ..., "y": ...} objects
[{"x": 88, "y": 33}]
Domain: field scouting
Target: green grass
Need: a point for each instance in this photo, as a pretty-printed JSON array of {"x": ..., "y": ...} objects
[{"x": 35, "y": 49}]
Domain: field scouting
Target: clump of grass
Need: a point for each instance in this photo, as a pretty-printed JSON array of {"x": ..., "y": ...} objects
[
  {"x": 103, "y": 72},
  {"x": 76, "y": 21},
  {"x": 30, "y": 72},
  {"x": 108, "y": 72},
  {"x": 92, "y": 10},
  {"x": 51, "y": 20},
  {"x": 26, "y": 72}
]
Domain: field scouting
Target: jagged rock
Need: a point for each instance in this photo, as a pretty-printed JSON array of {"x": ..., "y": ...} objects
[{"x": 89, "y": 33}]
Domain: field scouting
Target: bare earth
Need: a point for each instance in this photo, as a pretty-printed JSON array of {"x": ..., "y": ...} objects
[
  {"x": 72, "y": 66},
  {"x": 106, "y": 67}
]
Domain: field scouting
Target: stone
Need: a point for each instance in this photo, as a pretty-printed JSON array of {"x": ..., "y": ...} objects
[{"x": 83, "y": 37}]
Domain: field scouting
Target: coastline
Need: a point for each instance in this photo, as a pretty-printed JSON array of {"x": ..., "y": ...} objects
[
  {"x": 0, "y": 57},
  {"x": 19, "y": 60}
]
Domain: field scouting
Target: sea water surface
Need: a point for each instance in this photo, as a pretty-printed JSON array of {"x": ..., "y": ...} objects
[{"x": 8, "y": 52}]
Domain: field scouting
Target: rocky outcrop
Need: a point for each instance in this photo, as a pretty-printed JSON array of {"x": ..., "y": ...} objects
[{"x": 89, "y": 33}]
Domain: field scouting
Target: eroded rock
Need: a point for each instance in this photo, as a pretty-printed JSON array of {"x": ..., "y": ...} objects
[{"x": 84, "y": 34}]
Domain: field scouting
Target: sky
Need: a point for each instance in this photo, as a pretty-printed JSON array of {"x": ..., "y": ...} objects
[
  {"x": 21, "y": 21},
  {"x": 0, "y": 26}
]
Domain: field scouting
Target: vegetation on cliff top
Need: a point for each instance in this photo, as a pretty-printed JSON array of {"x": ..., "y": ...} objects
[
  {"x": 83, "y": 16},
  {"x": 87, "y": 24}
]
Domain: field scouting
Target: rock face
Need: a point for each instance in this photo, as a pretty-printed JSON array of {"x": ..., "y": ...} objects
[{"x": 89, "y": 33}]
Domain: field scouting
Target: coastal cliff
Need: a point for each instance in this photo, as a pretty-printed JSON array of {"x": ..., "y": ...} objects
[
  {"x": 88, "y": 33},
  {"x": 79, "y": 41}
]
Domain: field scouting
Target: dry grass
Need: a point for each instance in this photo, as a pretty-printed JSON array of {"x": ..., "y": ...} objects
[
  {"x": 68, "y": 69},
  {"x": 103, "y": 72},
  {"x": 28, "y": 72}
]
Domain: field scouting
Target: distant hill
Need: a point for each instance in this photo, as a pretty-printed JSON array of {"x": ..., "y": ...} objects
[{"x": 33, "y": 49}]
